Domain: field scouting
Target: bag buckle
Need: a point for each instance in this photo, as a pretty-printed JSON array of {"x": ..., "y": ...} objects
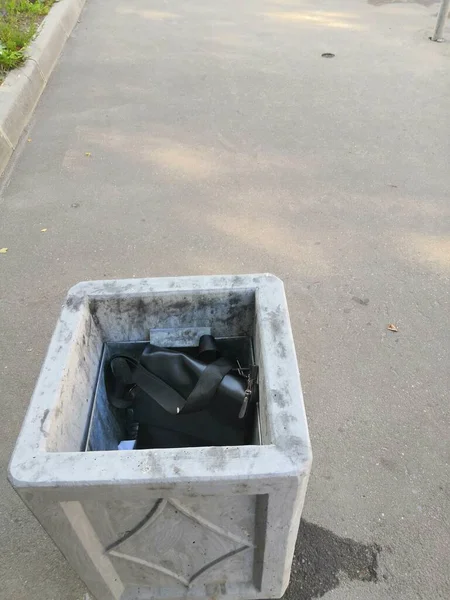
[{"x": 251, "y": 380}]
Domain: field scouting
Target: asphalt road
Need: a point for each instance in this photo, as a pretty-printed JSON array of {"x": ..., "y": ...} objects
[{"x": 207, "y": 137}]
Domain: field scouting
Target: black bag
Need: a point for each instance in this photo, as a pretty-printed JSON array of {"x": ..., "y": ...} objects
[{"x": 182, "y": 401}]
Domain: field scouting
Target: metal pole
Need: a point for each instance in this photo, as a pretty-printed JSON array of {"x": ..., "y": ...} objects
[{"x": 440, "y": 23}]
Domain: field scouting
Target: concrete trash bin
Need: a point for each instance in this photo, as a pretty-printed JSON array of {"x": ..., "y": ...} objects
[{"x": 189, "y": 523}]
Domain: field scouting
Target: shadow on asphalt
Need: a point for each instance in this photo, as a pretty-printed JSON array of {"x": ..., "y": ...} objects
[{"x": 322, "y": 557}]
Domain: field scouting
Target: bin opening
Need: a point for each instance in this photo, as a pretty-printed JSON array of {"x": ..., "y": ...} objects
[
  {"x": 94, "y": 326},
  {"x": 113, "y": 428}
]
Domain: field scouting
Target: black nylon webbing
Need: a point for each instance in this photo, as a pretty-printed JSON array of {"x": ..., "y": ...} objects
[
  {"x": 207, "y": 385},
  {"x": 165, "y": 395}
]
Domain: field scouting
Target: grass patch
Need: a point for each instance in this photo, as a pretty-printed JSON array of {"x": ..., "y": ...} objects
[{"x": 19, "y": 20}]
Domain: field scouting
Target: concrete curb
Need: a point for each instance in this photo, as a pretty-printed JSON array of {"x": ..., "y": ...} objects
[{"x": 22, "y": 88}]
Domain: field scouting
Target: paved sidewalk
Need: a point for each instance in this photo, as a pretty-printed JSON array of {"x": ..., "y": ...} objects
[{"x": 220, "y": 141}]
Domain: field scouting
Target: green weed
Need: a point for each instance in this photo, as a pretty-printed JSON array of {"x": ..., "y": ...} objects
[
  {"x": 19, "y": 20},
  {"x": 26, "y": 7}
]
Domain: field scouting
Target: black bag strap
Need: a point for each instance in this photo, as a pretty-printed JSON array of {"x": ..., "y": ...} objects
[
  {"x": 207, "y": 385},
  {"x": 118, "y": 382},
  {"x": 130, "y": 372}
]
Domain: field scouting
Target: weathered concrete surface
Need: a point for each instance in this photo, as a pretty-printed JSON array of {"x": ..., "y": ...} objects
[
  {"x": 222, "y": 142},
  {"x": 242, "y": 505}
]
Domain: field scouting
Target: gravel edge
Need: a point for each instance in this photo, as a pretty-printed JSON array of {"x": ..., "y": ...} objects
[{"x": 22, "y": 88}]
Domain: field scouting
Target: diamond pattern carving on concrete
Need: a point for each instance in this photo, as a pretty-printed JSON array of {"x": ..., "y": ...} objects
[{"x": 177, "y": 542}]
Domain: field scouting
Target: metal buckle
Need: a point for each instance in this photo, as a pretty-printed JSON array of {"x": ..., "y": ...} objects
[{"x": 251, "y": 380}]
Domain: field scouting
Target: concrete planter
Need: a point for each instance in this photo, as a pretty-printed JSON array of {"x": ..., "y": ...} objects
[{"x": 168, "y": 524}]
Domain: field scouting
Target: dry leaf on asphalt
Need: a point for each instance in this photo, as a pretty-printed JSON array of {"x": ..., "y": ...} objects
[
  {"x": 392, "y": 327},
  {"x": 87, "y": 153}
]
